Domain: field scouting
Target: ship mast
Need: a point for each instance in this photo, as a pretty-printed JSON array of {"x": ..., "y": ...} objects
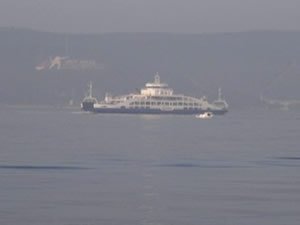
[
  {"x": 67, "y": 49},
  {"x": 220, "y": 94},
  {"x": 156, "y": 78},
  {"x": 90, "y": 91}
]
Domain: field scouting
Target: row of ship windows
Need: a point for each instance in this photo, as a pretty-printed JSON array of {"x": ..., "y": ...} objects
[
  {"x": 169, "y": 98},
  {"x": 149, "y": 107},
  {"x": 166, "y": 103},
  {"x": 165, "y": 98}
]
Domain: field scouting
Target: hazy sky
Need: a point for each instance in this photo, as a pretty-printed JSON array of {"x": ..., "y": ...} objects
[{"x": 192, "y": 16}]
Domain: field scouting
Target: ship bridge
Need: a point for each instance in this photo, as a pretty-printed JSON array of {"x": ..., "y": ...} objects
[{"x": 156, "y": 88}]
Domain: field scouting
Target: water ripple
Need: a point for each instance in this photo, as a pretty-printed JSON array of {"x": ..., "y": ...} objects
[
  {"x": 281, "y": 162},
  {"x": 202, "y": 165},
  {"x": 32, "y": 167},
  {"x": 288, "y": 158}
]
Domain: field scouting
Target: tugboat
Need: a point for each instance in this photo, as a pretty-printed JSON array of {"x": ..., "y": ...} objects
[{"x": 154, "y": 98}]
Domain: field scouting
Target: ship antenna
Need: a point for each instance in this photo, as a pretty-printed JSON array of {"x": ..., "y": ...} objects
[
  {"x": 90, "y": 89},
  {"x": 66, "y": 45},
  {"x": 157, "y": 78},
  {"x": 219, "y": 94}
]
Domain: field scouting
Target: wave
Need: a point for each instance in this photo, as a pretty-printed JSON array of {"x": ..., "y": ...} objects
[{"x": 33, "y": 167}]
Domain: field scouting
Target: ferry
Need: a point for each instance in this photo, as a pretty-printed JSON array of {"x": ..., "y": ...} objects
[{"x": 154, "y": 98}]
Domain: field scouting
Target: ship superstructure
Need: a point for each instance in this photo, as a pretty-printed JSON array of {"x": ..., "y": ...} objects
[{"x": 154, "y": 98}]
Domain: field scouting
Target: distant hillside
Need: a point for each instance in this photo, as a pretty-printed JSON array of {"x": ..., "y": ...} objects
[{"x": 243, "y": 64}]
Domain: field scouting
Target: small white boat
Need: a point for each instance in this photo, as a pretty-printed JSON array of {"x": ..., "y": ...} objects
[{"x": 206, "y": 115}]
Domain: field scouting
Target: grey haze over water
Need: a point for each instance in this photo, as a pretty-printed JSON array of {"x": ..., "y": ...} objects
[
  {"x": 189, "y": 16},
  {"x": 134, "y": 39},
  {"x": 245, "y": 65}
]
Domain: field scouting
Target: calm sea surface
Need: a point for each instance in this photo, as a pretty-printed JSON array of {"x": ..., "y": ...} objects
[{"x": 70, "y": 168}]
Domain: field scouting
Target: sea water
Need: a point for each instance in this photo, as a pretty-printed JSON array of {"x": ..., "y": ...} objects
[{"x": 61, "y": 166}]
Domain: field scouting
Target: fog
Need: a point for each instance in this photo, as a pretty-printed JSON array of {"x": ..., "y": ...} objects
[
  {"x": 220, "y": 54},
  {"x": 189, "y": 16}
]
